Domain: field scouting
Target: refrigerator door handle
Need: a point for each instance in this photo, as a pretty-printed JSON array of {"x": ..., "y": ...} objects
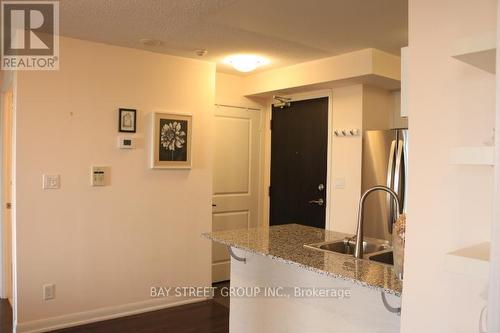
[
  {"x": 397, "y": 172},
  {"x": 405, "y": 173},
  {"x": 397, "y": 169},
  {"x": 390, "y": 174},
  {"x": 390, "y": 166}
]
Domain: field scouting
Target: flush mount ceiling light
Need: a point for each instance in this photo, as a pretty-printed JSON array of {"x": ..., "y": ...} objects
[
  {"x": 245, "y": 62},
  {"x": 150, "y": 42},
  {"x": 201, "y": 52}
]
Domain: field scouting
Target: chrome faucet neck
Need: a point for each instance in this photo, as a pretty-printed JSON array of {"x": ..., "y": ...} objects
[{"x": 358, "y": 249}]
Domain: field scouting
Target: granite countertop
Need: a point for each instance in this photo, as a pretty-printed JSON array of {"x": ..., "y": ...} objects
[{"x": 285, "y": 243}]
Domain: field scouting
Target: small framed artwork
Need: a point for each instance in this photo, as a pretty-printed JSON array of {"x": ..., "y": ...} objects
[
  {"x": 127, "y": 120},
  {"x": 171, "y": 141}
]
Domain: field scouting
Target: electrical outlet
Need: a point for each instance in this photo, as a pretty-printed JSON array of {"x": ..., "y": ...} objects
[{"x": 49, "y": 292}]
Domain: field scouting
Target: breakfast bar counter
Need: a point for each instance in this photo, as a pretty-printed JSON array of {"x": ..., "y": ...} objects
[
  {"x": 286, "y": 242},
  {"x": 276, "y": 257}
]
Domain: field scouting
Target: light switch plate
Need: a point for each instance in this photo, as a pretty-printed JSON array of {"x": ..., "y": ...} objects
[
  {"x": 99, "y": 176},
  {"x": 51, "y": 182},
  {"x": 339, "y": 183}
]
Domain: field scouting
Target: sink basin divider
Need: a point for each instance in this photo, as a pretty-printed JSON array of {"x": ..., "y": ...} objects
[{"x": 381, "y": 245}]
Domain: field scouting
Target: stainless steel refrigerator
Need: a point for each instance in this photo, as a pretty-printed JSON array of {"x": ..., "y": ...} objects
[{"x": 385, "y": 162}]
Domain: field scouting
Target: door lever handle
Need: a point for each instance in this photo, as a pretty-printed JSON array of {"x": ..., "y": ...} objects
[{"x": 318, "y": 202}]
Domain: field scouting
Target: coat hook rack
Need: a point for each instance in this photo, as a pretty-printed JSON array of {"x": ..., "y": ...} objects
[{"x": 346, "y": 132}]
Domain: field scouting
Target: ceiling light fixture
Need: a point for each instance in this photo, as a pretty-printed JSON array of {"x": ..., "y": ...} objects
[
  {"x": 150, "y": 42},
  {"x": 201, "y": 52},
  {"x": 245, "y": 62}
]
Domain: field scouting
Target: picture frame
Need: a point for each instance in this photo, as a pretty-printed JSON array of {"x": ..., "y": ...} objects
[
  {"x": 171, "y": 140},
  {"x": 127, "y": 120}
]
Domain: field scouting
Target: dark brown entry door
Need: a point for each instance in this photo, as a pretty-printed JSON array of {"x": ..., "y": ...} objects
[{"x": 299, "y": 142}]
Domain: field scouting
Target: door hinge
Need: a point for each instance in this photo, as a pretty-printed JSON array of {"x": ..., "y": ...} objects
[
  {"x": 271, "y": 124},
  {"x": 269, "y": 191}
]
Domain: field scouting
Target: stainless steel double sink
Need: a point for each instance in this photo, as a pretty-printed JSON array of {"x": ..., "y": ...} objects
[{"x": 373, "y": 249}]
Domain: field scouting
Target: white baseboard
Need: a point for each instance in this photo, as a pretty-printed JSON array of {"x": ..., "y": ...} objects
[
  {"x": 221, "y": 271},
  {"x": 87, "y": 317}
]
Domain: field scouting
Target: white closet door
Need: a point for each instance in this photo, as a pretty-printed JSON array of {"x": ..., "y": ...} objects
[{"x": 236, "y": 177}]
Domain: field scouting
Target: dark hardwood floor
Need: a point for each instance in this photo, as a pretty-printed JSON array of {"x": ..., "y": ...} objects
[
  {"x": 5, "y": 316},
  {"x": 205, "y": 317},
  {"x": 211, "y": 316},
  {"x": 220, "y": 295}
]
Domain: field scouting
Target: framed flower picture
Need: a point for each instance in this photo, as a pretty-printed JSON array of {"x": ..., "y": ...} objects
[{"x": 171, "y": 141}]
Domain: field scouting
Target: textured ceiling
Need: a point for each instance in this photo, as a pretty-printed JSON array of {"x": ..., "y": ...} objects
[{"x": 286, "y": 31}]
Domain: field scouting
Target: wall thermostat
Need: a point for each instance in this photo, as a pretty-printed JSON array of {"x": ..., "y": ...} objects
[{"x": 126, "y": 143}]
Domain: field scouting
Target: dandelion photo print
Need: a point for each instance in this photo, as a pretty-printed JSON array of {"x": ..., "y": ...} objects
[{"x": 172, "y": 140}]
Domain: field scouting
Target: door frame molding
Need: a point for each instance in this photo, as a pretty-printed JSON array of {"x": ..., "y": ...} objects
[
  {"x": 494, "y": 274},
  {"x": 9, "y": 82},
  {"x": 267, "y": 151}
]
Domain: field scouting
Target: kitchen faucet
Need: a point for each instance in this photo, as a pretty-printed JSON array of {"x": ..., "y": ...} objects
[{"x": 358, "y": 249}]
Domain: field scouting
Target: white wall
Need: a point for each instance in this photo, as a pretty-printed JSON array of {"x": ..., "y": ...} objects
[
  {"x": 230, "y": 90},
  {"x": 347, "y": 112},
  {"x": 397, "y": 120},
  {"x": 381, "y": 109},
  {"x": 105, "y": 247},
  {"x": 367, "y": 64},
  {"x": 494, "y": 292},
  {"x": 361, "y": 107},
  {"x": 450, "y": 104}
]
